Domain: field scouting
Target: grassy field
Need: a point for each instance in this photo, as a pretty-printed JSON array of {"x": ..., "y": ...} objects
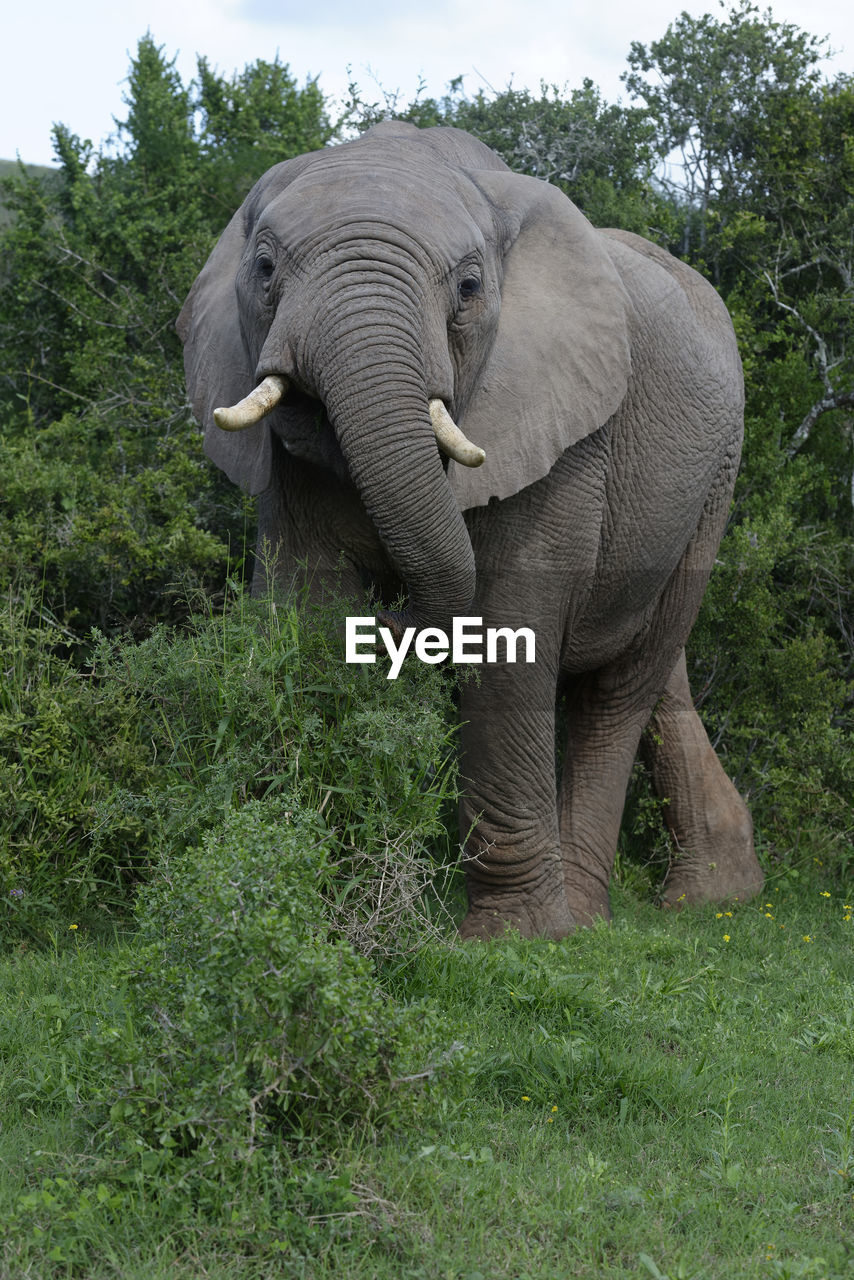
[{"x": 670, "y": 1096}]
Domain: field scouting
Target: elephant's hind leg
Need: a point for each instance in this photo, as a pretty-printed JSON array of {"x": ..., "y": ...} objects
[{"x": 709, "y": 821}]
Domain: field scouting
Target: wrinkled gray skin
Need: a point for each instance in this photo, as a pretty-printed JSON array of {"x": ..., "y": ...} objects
[{"x": 602, "y": 379}]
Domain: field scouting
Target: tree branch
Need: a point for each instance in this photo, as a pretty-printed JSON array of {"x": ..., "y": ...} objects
[{"x": 833, "y": 397}]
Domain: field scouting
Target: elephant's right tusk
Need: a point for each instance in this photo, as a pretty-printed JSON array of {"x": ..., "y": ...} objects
[
  {"x": 451, "y": 440},
  {"x": 254, "y": 407}
]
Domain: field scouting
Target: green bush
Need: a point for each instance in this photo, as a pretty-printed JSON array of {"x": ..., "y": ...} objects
[
  {"x": 115, "y": 524},
  {"x": 247, "y": 1018},
  {"x": 253, "y": 1042},
  {"x": 768, "y": 660},
  {"x": 220, "y": 1062},
  {"x": 65, "y": 740},
  {"x": 281, "y": 813},
  {"x": 106, "y": 772},
  {"x": 257, "y": 701}
]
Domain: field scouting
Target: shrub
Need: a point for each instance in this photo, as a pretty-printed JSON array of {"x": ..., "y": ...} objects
[
  {"x": 105, "y": 519},
  {"x": 246, "y": 1017},
  {"x": 769, "y": 661},
  {"x": 64, "y": 741},
  {"x": 106, "y": 772},
  {"x": 254, "y": 1037},
  {"x": 258, "y": 701}
]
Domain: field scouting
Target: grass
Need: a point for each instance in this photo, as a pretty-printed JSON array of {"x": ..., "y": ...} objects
[
  {"x": 670, "y": 1096},
  {"x": 651, "y": 1098}
]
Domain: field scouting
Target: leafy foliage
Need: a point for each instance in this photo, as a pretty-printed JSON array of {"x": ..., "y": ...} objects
[
  {"x": 65, "y": 741},
  {"x": 767, "y": 674},
  {"x": 246, "y": 1018},
  {"x": 105, "y": 496},
  {"x": 763, "y": 190},
  {"x": 250, "y": 122},
  {"x": 724, "y": 96},
  {"x": 114, "y": 529},
  {"x": 111, "y": 770}
]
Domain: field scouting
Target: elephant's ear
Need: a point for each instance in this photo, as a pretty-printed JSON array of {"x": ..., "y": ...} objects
[
  {"x": 560, "y": 362},
  {"x": 216, "y": 363}
]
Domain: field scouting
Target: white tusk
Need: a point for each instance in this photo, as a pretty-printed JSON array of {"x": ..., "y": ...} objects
[
  {"x": 451, "y": 440},
  {"x": 254, "y": 407}
]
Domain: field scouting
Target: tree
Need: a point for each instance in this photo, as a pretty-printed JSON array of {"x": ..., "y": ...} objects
[
  {"x": 97, "y": 268},
  {"x": 810, "y": 275},
  {"x": 101, "y": 468},
  {"x": 763, "y": 191},
  {"x": 252, "y": 121},
  {"x": 724, "y": 97}
]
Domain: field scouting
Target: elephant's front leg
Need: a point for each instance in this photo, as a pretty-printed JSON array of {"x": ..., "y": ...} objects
[{"x": 508, "y": 815}]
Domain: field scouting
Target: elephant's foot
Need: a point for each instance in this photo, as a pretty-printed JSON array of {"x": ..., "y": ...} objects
[
  {"x": 722, "y": 866},
  {"x": 586, "y": 894},
  {"x": 534, "y": 913},
  {"x": 714, "y": 836}
]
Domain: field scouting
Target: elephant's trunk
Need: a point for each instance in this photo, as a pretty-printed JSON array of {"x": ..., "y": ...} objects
[
  {"x": 370, "y": 376},
  {"x": 386, "y": 437}
]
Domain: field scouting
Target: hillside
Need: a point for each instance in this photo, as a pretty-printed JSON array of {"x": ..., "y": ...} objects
[{"x": 8, "y": 169}]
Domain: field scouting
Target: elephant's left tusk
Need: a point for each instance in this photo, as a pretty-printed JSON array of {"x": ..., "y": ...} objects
[
  {"x": 451, "y": 440},
  {"x": 254, "y": 407}
]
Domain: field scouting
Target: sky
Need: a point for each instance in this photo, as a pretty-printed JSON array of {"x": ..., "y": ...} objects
[{"x": 67, "y": 60}]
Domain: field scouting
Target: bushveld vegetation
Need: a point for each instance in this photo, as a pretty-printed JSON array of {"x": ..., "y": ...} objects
[{"x": 237, "y": 1038}]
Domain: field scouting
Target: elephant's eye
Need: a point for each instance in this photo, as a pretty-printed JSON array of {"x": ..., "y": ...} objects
[
  {"x": 265, "y": 266},
  {"x": 469, "y": 287}
]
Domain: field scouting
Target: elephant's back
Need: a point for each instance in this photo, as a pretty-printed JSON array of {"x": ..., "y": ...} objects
[{"x": 639, "y": 259}]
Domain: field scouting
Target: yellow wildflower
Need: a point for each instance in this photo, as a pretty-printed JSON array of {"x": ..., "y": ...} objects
[
  {"x": 726, "y": 937},
  {"x": 72, "y": 926}
]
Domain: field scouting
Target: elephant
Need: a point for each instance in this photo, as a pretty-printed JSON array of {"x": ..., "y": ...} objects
[{"x": 443, "y": 383}]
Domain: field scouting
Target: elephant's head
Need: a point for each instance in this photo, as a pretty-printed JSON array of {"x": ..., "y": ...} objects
[{"x": 359, "y": 285}]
